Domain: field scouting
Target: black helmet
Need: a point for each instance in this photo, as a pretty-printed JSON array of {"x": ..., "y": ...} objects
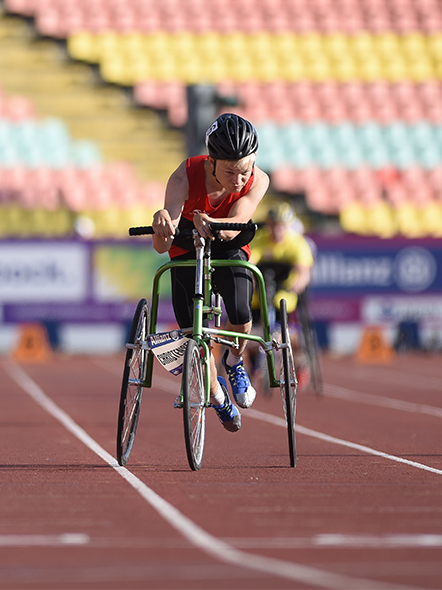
[{"x": 231, "y": 137}]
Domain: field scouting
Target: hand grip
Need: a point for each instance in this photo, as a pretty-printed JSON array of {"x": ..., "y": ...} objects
[
  {"x": 141, "y": 231},
  {"x": 146, "y": 230},
  {"x": 233, "y": 226}
]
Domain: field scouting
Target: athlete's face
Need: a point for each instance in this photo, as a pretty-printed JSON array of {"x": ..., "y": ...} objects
[
  {"x": 278, "y": 231},
  {"x": 234, "y": 175}
]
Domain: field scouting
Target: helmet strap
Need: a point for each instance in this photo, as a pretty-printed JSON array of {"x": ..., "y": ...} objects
[{"x": 214, "y": 172}]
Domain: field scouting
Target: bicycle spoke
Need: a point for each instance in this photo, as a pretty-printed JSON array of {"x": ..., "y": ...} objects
[
  {"x": 194, "y": 405},
  {"x": 131, "y": 387}
]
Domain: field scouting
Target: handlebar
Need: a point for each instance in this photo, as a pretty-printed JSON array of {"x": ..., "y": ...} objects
[{"x": 146, "y": 230}]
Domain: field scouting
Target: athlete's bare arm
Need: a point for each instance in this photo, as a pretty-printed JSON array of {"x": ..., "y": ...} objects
[{"x": 165, "y": 220}]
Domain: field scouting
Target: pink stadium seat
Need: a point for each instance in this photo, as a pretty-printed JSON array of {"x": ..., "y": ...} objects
[
  {"x": 286, "y": 179},
  {"x": 309, "y": 112},
  {"x": 397, "y": 195},
  {"x": 362, "y": 112},
  {"x": 25, "y": 7},
  {"x": 149, "y": 93},
  {"x": 328, "y": 92},
  {"x": 435, "y": 179},
  {"x": 340, "y": 187},
  {"x": 319, "y": 199},
  {"x": 370, "y": 194},
  {"x": 354, "y": 94},
  {"x": 406, "y": 23},
  {"x": 422, "y": 195},
  {"x": 19, "y": 108}
]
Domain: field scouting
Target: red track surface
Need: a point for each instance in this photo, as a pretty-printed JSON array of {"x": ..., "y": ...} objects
[{"x": 344, "y": 518}]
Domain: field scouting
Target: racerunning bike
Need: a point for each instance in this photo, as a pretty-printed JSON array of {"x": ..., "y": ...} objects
[
  {"x": 192, "y": 346},
  {"x": 304, "y": 329}
]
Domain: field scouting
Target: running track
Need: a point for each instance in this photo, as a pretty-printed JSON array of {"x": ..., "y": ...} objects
[{"x": 362, "y": 510}]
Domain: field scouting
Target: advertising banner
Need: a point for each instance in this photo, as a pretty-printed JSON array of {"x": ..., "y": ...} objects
[
  {"x": 43, "y": 271},
  {"x": 354, "y": 279},
  {"x": 375, "y": 280}
]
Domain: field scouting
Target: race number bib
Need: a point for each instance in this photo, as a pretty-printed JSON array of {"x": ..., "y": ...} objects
[{"x": 169, "y": 348}]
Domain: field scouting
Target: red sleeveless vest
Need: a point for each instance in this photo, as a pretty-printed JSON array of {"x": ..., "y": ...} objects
[{"x": 198, "y": 201}]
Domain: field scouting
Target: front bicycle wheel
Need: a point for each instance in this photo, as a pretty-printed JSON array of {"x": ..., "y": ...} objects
[
  {"x": 288, "y": 382},
  {"x": 131, "y": 387},
  {"x": 194, "y": 404}
]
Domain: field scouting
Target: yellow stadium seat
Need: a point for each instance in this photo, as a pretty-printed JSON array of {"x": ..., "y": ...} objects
[
  {"x": 414, "y": 45},
  {"x": 84, "y": 46},
  {"x": 242, "y": 69},
  {"x": 409, "y": 220},
  {"x": 319, "y": 69},
  {"x": 434, "y": 44},
  {"x": 371, "y": 69},
  {"x": 396, "y": 69},
  {"x": 362, "y": 46},
  {"x": 237, "y": 43},
  {"x": 337, "y": 46},
  {"x": 107, "y": 44},
  {"x": 61, "y": 222},
  {"x": 142, "y": 70},
  {"x": 164, "y": 68},
  {"x": 293, "y": 68},
  {"x": 183, "y": 45},
  {"x": 381, "y": 220},
  {"x": 431, "y": 216},
  {"x": 156, "y": 44},
  {"x": 215, "y": 69},
  {"x": 353, "y": 219},
  {"x": 286, "y": 45},
  {"x": 209, "y": 44},
  {"x": 388, "y": 45},
  {"x": 131, "y": 44},
  {"x": 311, "y": 44},
  {"x": 345, "y": 69},
  {"x": 116, "y": 69}
]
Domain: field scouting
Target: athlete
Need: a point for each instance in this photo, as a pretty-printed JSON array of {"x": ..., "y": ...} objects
[
  {"x": 225, "y": 186},
  {"x": 285, "y": 256}
]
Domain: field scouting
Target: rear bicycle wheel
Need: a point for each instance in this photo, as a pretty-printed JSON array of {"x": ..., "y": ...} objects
[
  {"x": 311, "y": 345},
  {"x": 194, "y": 404},
  {"x": 131, "y": 386},
  {"x": 288, "y": 382}
]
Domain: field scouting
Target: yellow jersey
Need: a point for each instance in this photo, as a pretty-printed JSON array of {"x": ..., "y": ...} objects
[{"x": 292, "y": 250}]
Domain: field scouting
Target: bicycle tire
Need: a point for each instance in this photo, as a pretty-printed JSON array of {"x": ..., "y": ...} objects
[
  {"x": 311, "y": 346},
  {"x": 288, "y": 382},
  {"x": 194, "y": 405},
  {"x": 131, "y": 386}
]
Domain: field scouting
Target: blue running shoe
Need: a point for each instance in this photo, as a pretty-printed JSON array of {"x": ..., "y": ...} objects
[
  {"x": 242, "y": 389},
  {"x": 228, "y": 415}
]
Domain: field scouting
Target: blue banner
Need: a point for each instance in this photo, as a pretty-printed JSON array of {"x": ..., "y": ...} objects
[{"x": 350, "y": 266}]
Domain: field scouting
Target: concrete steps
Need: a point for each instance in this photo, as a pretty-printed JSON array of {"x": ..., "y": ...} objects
[{"x": 41, "y": 70}]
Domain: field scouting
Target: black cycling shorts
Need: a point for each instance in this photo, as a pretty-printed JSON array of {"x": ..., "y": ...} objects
[{"x": 234, "y": 284}]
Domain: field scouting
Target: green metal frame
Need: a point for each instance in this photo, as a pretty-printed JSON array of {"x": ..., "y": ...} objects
[{"x": 203, "y": 306}]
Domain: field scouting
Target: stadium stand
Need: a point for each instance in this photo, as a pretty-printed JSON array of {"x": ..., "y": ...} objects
[
  {"x": 50, "y": 175},
  {"x": 346, "y": 94}
]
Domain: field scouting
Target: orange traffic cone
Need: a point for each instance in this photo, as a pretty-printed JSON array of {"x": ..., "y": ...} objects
[
  {"x": 33, "y": 344},
  {"x": 374, "y": 347}
]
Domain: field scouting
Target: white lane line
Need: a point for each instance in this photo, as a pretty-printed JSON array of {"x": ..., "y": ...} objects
[
  {"x": 396, "y": 377},
  {"x": 167, "y": 385},
  {"x": 399, "y": 541},
  {"x": 337, "y": 441},
  {"x": 44, "y": 540},
  {"x": 378, "y": 400},
  {"x": 216, "y": 548},
  {"x": 384, "y": 541},
  {"x": 330, "y": 390}
]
